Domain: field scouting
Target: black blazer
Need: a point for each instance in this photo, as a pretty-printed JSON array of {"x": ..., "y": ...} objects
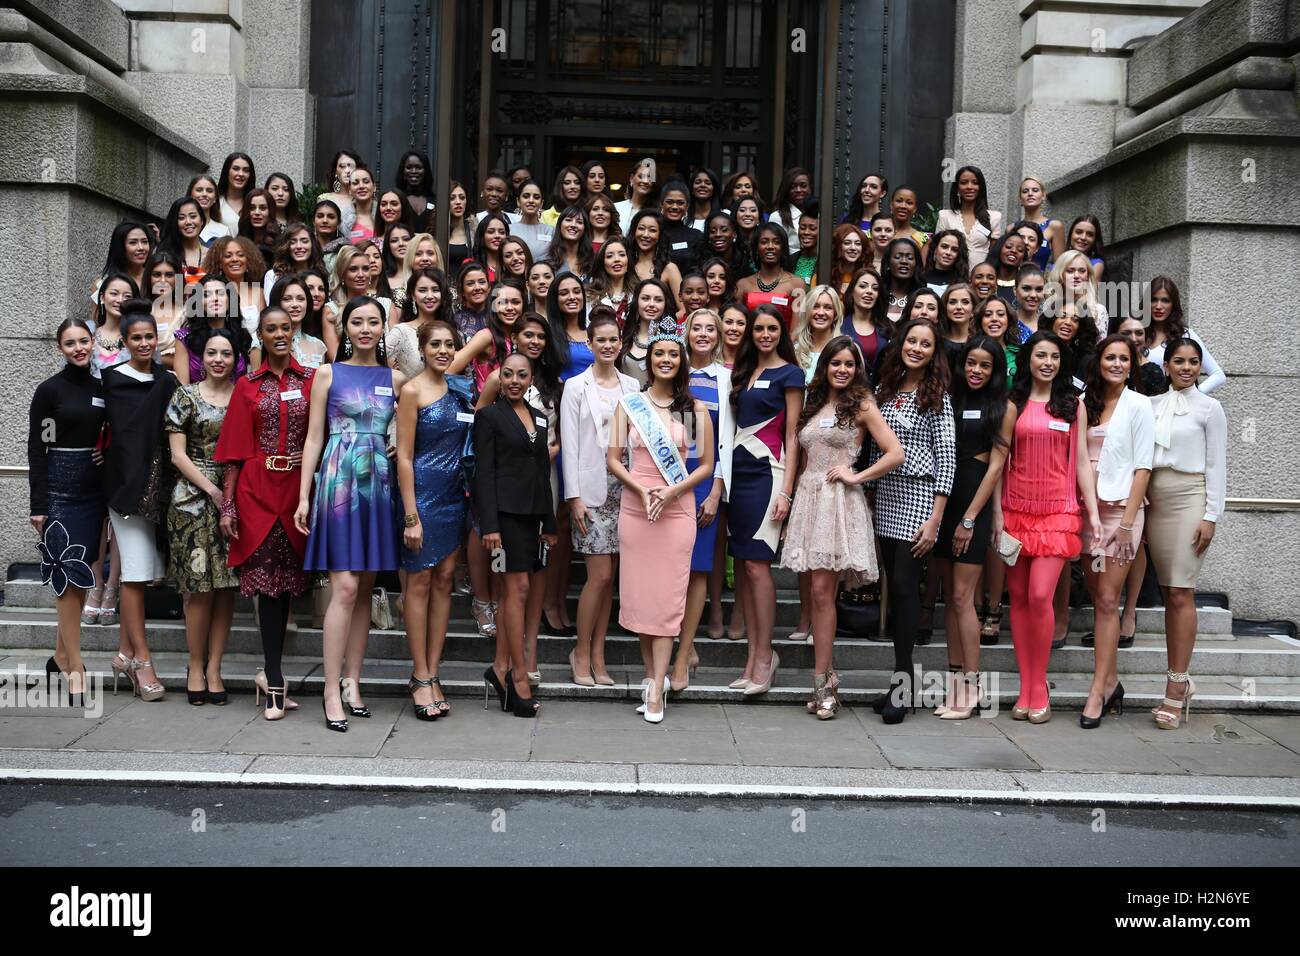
[{"x": 511, "y": 473}]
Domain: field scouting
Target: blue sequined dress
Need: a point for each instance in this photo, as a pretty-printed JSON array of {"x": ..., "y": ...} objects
[{"x": 439, "y": 482}]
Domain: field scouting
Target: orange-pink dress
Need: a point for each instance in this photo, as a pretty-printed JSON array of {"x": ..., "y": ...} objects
[
  {"x": 654, "y": 559},
  {"x": 1040, "y": 497}
]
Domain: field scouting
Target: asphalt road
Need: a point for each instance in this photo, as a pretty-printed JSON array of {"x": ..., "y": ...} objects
[{"x": 71, "y": 825}]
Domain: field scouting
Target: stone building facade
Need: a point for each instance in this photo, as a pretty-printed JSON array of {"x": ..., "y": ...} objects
[{"x": 1175, "y": 121}]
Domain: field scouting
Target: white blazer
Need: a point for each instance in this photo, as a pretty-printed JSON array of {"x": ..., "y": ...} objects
[
  {"x": 583, "y": 441},
  {"x": 726, "y": 426},
  {"x": 1129, "y": 445}
]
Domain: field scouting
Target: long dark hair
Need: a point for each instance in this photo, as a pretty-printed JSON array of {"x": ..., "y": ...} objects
[
  {"x": 981, "y": 201},
  {"x": 282, "y": 265},
  {"x": 599, "y": 282},
  {"x": 223, "y": 181},
  {"x": 480, "y": 232},
  {"x": 1098, "y": 248},
  {"x": 557, "y": 191},
  {"x": 555, "y": 251},
  {"x": 782, "y": 204},
  {"x": 1094, "y": 396},
  {"x": 730, "y": 289},
  {"x": 1064, "y": 402},
  {"x": 856, "y": 207},
  {"x": 197, "y": 321},
  {"x": 586, "y": 169},
  {"x": 291, "y": 211},
  {"x": 170, "y": 240},
  {"x": 714, "y": 201},
  {"x": 555, "y": 318},
  {"x": 991, "y": 397},
  {"x": 660, "y": 255},
  {"x": 338, "y": 230},
  {"x": 346, "y": 348},
  {"x": 819, "y": 389},
  {"x": 747, "y": 357},
  {"x": 407, "y": 217},
  {"x": 117, "y": 260},
  {"x": 880, "y": 310},
  {"x": 277, "y": 298},
  {"x": 313, "y": 322},
  {"x": 1176, "y": 324},
  {"x": 632, "y": 320},
  {"x": 500, "y": 337},
  {"x": 547, "y": 368},
  {"x": 209, "y": 215},
  {"x": 891, "y": 371},
  {"x": 959, "y": 271},
  {"x": 410, "y": 311}
]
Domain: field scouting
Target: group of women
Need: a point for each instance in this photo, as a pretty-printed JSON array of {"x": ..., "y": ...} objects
[{"x": 675, "y": 400}]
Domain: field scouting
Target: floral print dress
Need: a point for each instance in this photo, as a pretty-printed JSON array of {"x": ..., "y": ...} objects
[{"x": 198, "y": 559}]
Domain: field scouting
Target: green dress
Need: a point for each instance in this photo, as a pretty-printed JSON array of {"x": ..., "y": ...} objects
[{"x": 197, "y": 561}]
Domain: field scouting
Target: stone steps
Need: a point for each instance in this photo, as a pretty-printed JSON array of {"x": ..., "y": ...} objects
[
  {"x": 1214, "y": 623},
  {"x": 463, "y": 680},
  {"x": 1258, "y": 657}
]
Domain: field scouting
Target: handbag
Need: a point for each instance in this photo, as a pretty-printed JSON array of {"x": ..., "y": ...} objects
[
  {"x": 857, "y": 611},
  {"x": 381, "y": 613},
  {"x": 462, "y": 386},
  {"x": 1008, "y": 549}
]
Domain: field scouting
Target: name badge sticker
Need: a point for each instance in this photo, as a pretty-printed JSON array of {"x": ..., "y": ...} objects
[
  {"x": 1077, "y": 382},
  {"x": 539, "y": 421},
  {"x": 384, "y": 390},
  {"x": 972, "y": 413},
  {"x": 1058, "y": 426},
  {"x": 780, "y": 300},
  {"x": 982, "y": 229},
  {"x": 679, "y": 246},
  {"x": 467, "y": 417},
  {"x": 545, "y": 236},
  {"x": 290, "y": 395},
  {"x": 826, "y": 423},
  {"x": 96, "y": 401},
  {"x": 762, "y": 383},
  {"x": 164, "y": 327}
]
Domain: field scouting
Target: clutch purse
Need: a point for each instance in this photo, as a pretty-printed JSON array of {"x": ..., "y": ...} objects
[{"x": 1008, "y": 549}]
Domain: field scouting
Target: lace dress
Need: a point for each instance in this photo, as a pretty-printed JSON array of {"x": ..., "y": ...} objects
[{"x": 829, "y": 528}]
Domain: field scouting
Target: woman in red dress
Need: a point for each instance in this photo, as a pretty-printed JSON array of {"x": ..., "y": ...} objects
[{"x": 261, "y": 446}]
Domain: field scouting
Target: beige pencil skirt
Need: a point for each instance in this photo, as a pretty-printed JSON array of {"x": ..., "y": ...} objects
[{"x": 1176, "y": 507}]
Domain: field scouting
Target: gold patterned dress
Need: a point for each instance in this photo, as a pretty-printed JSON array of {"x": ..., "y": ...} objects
[{"x": 197, "y": 562}]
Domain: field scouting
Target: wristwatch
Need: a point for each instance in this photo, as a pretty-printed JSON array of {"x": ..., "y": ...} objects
[
  {"x": 968, "y": 523},
  {"x": 412, "y": 520}
]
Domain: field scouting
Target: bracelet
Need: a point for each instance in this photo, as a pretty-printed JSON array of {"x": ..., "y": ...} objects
[
  {"x": 411, "y": 520},
  {"x": 1122, "y": 528},
  {"x": 788, "y": 499}
]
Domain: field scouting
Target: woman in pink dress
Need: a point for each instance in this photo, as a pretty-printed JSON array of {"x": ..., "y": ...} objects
[{"x": 656, "y": 524}]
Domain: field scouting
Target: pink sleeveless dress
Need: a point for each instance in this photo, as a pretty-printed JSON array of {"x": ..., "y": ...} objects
[{"x": 1040, "y": 498}]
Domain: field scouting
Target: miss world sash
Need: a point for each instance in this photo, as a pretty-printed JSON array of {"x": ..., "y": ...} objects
[{"x": 651, "y": 429}]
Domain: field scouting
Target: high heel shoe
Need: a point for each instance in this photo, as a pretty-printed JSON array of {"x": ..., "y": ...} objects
[
  {"x": 195, "y": 697},
  {"x": 1115, "y": 701},
  {"x": 121, "y": 666},
  {"x": 520, "y": 706},
  {"x": 644, "y": 710},
  {"x": 1164, "y": 719},
  {"x": 667, "y": 686},
  {"x": 260, "y": 687},
  {"x": 349, "y": 684},
  {"x": 483, "y": 617},
  {"x": 1040, "y": 716},
  {"x": 585, "y": 680},
  {"x": 753, "y": 689},
  {"x": 971, "y": 694},
  {"x": 491, "y": 682},
  {"x": 949, "y": 691},
  {"x": 801, "y": 637},
  {"x": 740, "y": 683},
  {"x": 275, "y": 706},
  {"x": 897, "y": 706},
  {"x": 825, "y": 703},
  {"x": 991, "y": 629},
  {"x": 715, "y": 633},
  {"x": 338, "y": 726},
  {"x": 557, "y": 630},
  {"x": 147, "y": 692},
  {"x": 444, "y": 708},
  {"x": 423, "y": 711},
  {"x": 108, "y": 610},
  {"x": 1092, "y": 723},
  {"x": 602, "y": 680},
  {"x": 90, "y": 613},
  {"x": 51, "y": 668},
  {"x": 534, "y": 678}
]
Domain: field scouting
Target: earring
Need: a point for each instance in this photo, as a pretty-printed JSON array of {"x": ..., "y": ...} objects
[{"x": 338, "y": 186}]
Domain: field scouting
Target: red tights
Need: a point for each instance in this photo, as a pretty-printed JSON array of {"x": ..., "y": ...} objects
[{"x": 1032, "y": 583}]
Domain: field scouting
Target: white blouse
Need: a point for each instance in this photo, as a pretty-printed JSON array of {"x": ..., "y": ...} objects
[
  {"x": 1192, "y": 438},
  {"x": 979, "y": 239},
  {"x": 1128, "y": 446}
]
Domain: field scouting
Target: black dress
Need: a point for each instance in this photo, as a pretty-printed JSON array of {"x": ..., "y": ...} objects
[
  {"x": 64, "y": 424},
  {"x": 138, "y": 461},
  {"x": 972, "y": 440}
]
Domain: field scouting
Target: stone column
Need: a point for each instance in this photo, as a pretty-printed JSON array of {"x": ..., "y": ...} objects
[{"x": 81, "y": 154}]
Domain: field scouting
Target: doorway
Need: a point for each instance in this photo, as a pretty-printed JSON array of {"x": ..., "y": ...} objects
[{"x": 672, "y": 161}]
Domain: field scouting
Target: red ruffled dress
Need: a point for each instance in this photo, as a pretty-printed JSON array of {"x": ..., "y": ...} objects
[
  {"x": 1040, "y": 496},
  {"x": 267, "y": 418}
]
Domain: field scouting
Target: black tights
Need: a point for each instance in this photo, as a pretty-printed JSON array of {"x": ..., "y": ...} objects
[
  {"x": 903, "y": 574},
  {"x": 272, "y": 619}
]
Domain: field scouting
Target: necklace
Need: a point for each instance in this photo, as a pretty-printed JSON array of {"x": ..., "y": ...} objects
[
  {"x": 659, "y": 404},
  {"x": 640, "y": 344},
  {"x": 898, "y": 301},
  {"x": 768, "y": 287}
]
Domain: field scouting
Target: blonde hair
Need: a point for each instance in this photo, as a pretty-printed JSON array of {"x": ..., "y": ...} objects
[
  {"x": 408, "y": 261},
  {"x": 803, "y": 343},
  {"x": 717, "y": 331},
  {"x": 338, "y": 292},
  {"x": 1056, "y": 281}
]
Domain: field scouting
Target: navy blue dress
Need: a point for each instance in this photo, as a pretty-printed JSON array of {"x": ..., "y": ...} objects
[
  {"x": 440, "y": 431},
  {"x": 758, "y": 463},
  {"x": 704, "y": 388}
]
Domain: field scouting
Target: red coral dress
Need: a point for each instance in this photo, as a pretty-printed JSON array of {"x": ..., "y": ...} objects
[
  {"x": 266, "y": 421},
  {"x": 1040, "y": 497}
]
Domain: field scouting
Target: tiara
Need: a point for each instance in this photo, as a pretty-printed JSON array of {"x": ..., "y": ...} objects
[{"x": 666, "y": 329}]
